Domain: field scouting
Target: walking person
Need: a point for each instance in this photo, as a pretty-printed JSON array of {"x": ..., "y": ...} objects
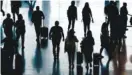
[
  {"x": 70, "y": 47},
  {"x": 37, "y": 17},
  {"x": 87, "y": 17},
  {"x": 15, "y": 6},
  {"x": 7, "y": 25},
  {"x": 20, "y": 29},
  {"x": 124, "y": 13},
  {"x": 105, "y": 41},
  {"x": 72, "y": 15},
  {"x": 87, "y": 48},
  {"x": 55, "y": 34}
]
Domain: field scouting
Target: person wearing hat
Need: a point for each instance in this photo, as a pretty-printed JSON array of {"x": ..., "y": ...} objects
[{"x": 70, "y": 47}]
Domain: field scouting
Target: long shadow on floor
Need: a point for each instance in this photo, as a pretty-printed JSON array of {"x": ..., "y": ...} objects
[
  {"x": 37, "y": 60},
  {"x": 56, "y": 67}
]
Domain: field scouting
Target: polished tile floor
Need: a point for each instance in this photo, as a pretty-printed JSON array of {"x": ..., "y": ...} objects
[{"x": 40, "y": 61}]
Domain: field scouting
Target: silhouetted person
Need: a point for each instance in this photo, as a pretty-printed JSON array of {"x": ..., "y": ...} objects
[
  {"x": 9, "y": 48},
  {"x": 72, "y": 15},
  {"x": 87, "y": 48},
  {"x": 15, "y": 5},
  {"x": 87, "y": 16},
  {"x": 112, "y": 12},
  {"x": 1, "y": 9},
  {"x": 70, "y": 47},
  {"x": 56, "y": 33},
  {"x": 124, "y": 13},
  {"x": 7, "y": 25},
  {"x": 105, "y": 40},
  {"x": 20, "y": 29},
  {"x": 37, "y": 17},
  {"x": 104, "y": 37}
]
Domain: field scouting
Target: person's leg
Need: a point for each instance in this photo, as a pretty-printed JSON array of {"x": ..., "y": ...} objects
[
  {"x": 23, "y": 40},
  {"x": 58, "y": 48},
  {"x": 73, "y": 58},
  {"x": 37, "y": 29},
  {"x": 73, "y": 23},
  {"x": 54, "y": 47},
  {"x": 86, "y": 60},
  {"x": 84, "y": 28},
  {"x": 69, "y": 58},
  {"x": 88, "y": 24},
  {"x": 69, "y": 19},
  {"x": 101, "y": 50},
  {"x": 17, "y": 35}
]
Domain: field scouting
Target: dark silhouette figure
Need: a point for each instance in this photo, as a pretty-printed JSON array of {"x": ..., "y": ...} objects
[
  {"x": 7, "y": 55},
  {"x": 7, "y": 25},
  {"x": 56, "y": 33},
  {"x": 56, "y": 67},
  {"x": 19, "y": 64},
  {"x": 15, "y": 5},
  {"x": 20, "y": 29},
  {"x": 87, "y": 16},
  {"x": 72, "y": 15},
  {"x": 87, "y": 48},
  {"x": 1, "y": 9},
  {"x": 37, "y": 17},
  {"x": 105, "y": 39},
  {"x": 111, "y": 12},
  {"x": 70, "y": 47},
  {"x": 124, "y": 13}
]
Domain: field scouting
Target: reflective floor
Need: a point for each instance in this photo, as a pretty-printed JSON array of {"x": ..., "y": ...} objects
[{"x": 39, "y": 61}]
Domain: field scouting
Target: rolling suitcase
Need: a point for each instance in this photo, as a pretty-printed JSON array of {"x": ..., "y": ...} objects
[
  {"x": 79, "y": 58},
  {"x": 44, "y": 31},
  {"x": 96, "y": 63}
]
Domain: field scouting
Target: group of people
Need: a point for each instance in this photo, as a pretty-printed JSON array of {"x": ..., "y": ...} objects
[{"x": 118, "y": 24}]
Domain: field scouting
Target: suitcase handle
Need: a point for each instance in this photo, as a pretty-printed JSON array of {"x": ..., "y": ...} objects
[{"x": 42, "y": 23}]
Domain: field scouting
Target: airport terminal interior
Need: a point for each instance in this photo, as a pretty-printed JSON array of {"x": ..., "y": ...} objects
[{"x": 40, "y": 61}]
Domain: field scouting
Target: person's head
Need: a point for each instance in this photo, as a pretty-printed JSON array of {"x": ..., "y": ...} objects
[
  {"x": 56, "y": 23},
  {"x": 111, "y": 2},
  {"x": 125, "y": 4},
  {"x": 37, "y": 8},
  {"x": 87, "y": 4},
  {"x": 20, "y": 17},
  {"x": 89, "y": 34},
  {"x": 73, "y": 3},
  {"x": 8, "y": 15},
  {"x": 71, "y": 32}
]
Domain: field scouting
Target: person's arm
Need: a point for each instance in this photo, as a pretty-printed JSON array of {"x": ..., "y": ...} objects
[
  {"x": 42, "y": 14},
  {"x": 3, "y": 24},
  {"x": 93, "y": 41},
  {"x": 50, "y": 33},
  {"x": 62, "y": 33},
  {"x": 68, "y": 12},
  {"x": 90, "y": 12},
  {"x": 76, "y": 40},
  {"x": 32, "y": 19},
  {"x": 76, "y": 13}
]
